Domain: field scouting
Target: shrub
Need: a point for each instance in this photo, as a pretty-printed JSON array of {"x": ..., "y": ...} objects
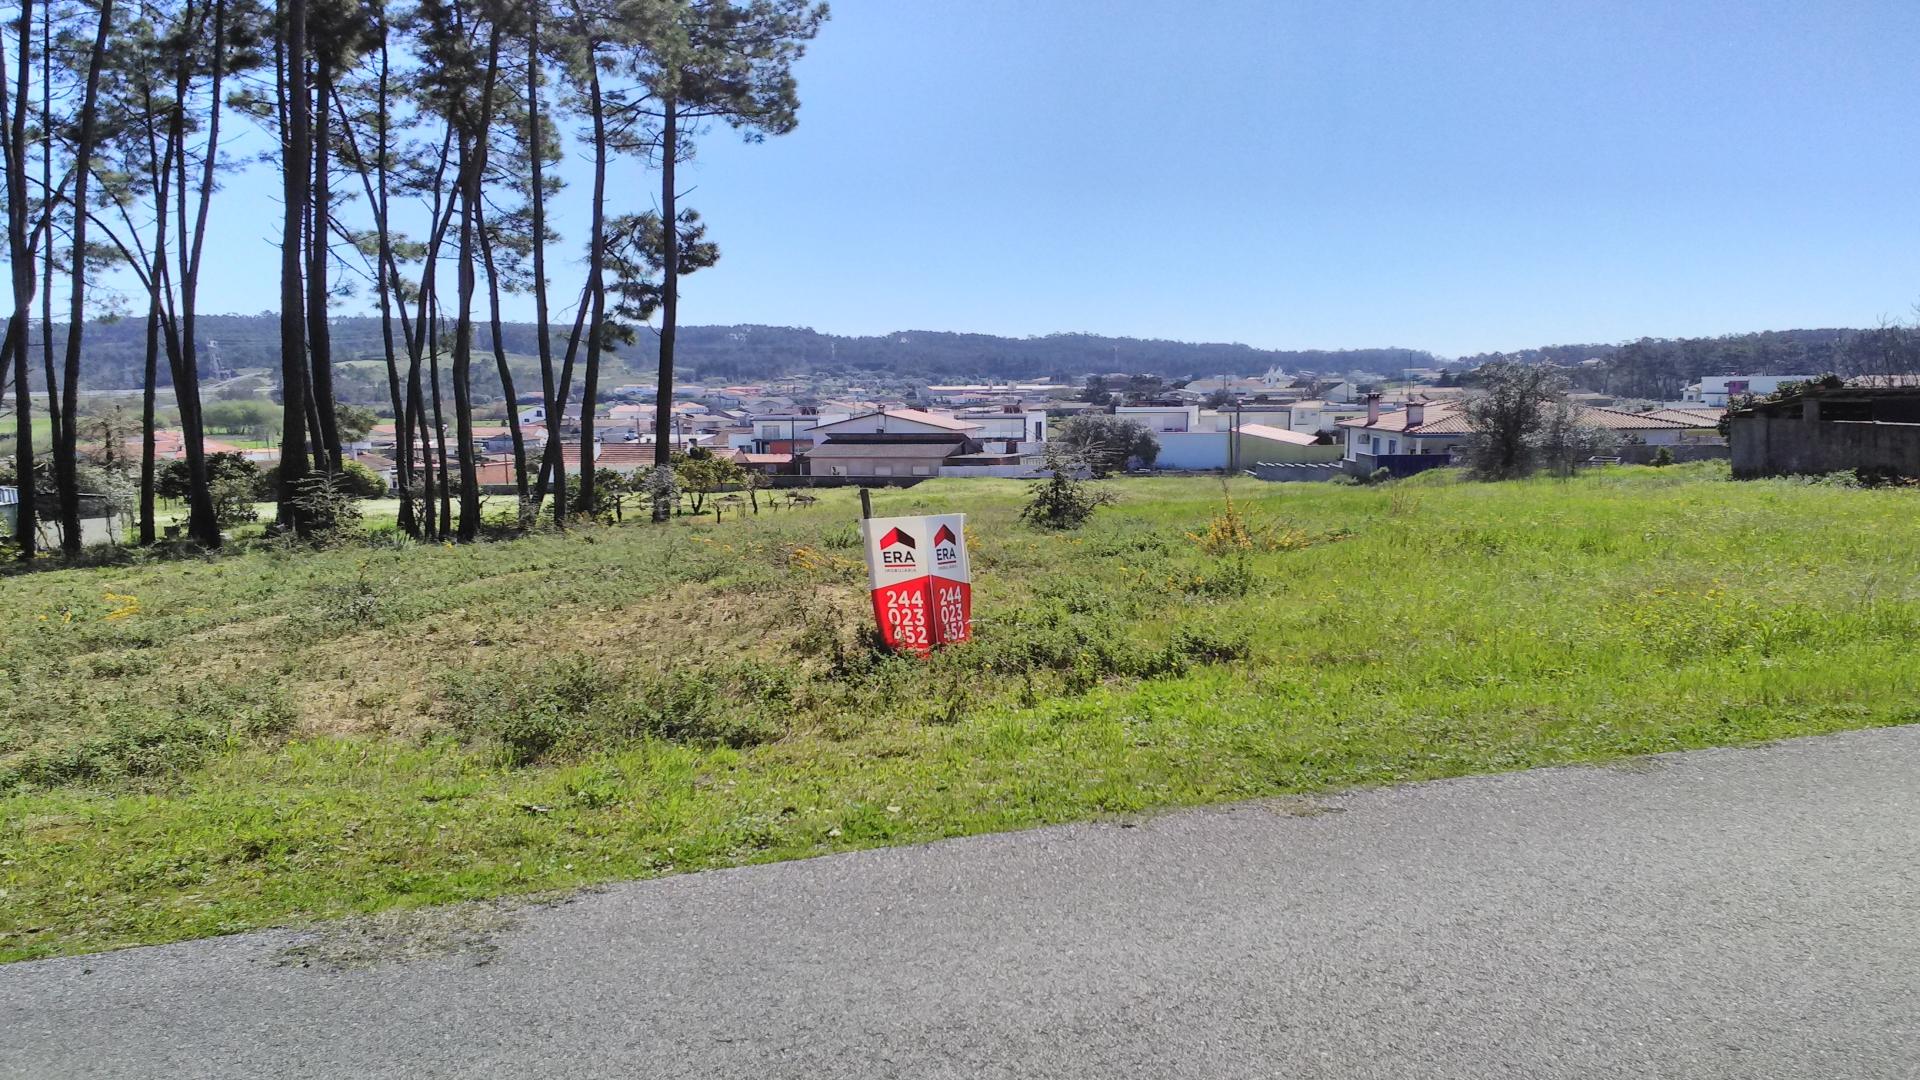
[
  {"x": 362, "y": 482},
  {"x": 331, "y": 512},
  {"x": 233, "y": 482},
  {"x": 355, "y": 480},
  {"x": 1062, "y": 500},
  {"x": 1662, "y": 458},
  {"x": 1207, "y": 645}
]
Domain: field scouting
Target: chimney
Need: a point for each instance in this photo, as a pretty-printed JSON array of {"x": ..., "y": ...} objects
[
  {"x": 1373, "y": 409},
  {"x": 1416, "y": 413}
]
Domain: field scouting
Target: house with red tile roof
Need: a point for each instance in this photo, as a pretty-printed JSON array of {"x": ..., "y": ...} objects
[{"x": 1427, "y": 435}]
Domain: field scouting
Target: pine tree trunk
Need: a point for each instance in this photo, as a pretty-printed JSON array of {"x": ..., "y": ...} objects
[
  {"x": 66, "y": 458},
  {"x": 293, "y": 337},
  {"x": 597, "y": 289},
  {"x": 438, "y": 445},
  {"x": 319, "y": 339},
  {"x": 20, "y": 255},
  {"x": 670, "y": 290},
  {"x": 148, "y": 399},
  {"x": 463, "y": 344},
  {"x": 506, "y": 373},
  {"x": 56, "y": 435},
  {"x": 542, "y": 335}
]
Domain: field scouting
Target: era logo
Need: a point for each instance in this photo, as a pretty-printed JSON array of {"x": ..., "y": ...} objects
[
  {"x": 946, "y": 547},
  {"x": 896, "y": 549}
]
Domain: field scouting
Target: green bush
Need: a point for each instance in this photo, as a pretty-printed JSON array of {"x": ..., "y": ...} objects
[
  {"x": 354, "y": 480},
  {"x": 362, "y": 482},
  {"x": 1062, "y": 500}
]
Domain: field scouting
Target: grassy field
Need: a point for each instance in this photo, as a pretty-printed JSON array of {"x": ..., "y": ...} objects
[{"x": 191, "y": 748}]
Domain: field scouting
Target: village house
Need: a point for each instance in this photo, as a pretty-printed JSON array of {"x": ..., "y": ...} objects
[
  {"x": 897, "y": 443},
  {"x": 1009, "y": 429},
  {"x": 1718, "y": 391},
  {"x": 1317, "y": 416},
  {"x": 1426, "y": 435}
]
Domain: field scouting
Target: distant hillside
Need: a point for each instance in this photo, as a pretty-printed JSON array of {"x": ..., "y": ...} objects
[
  {"x": 1658, "y": 368},
  {"x": 115, "y": 356},
  {"x": 1649, "y": 368}
]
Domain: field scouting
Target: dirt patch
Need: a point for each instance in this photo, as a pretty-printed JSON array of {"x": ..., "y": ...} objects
[{"x": 407, "y": 936}]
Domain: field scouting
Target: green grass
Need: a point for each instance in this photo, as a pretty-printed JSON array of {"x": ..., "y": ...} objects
[{"x": 198, "y": 747}]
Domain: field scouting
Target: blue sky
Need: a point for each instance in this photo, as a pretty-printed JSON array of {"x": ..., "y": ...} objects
[{"x": 1458, "y": 177}]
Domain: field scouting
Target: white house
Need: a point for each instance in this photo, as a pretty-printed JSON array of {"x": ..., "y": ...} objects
[
  {"x": 1012, "y": 430},
  {"x": 1315, "y": 416},
  {"x": 1190, "y": 437},
  {"x": 1714, "y": 391},
  {"x": 1420, "y": 430}
]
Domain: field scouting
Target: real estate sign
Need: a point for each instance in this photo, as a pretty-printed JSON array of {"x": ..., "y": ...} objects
[{"x": 922, "y": 585}]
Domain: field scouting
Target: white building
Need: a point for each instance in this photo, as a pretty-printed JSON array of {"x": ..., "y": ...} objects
[
  {"x": 1715, "y": 391},
  {"x": 1190, "y": 437},
  {"x": 1009, "y": 430},
  {"x": 1316, "y": 416}
]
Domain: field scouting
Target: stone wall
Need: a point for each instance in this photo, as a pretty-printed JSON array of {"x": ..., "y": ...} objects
[{"x": 1783, "y": 446}]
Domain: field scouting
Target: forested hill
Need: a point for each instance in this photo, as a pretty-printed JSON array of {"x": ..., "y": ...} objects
[
  {"x": 115, "y": 354},
  {"x": 1659, "y": 368},
  {"x": 1651, "y": 367}
]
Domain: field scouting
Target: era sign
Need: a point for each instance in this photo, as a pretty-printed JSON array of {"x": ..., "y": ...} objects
[{"x": 922, "y": 586}]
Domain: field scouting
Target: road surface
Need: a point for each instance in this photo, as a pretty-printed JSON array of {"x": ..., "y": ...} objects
[{"x": 1731, "y": 913}]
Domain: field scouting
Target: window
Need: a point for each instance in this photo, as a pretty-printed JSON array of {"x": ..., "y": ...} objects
[
  {"x": 883, "y": 470},
  {"x": 1376, "y": 444},
  {"x": 1393, "y": 446},
  {"x": 923, "y": 470}
]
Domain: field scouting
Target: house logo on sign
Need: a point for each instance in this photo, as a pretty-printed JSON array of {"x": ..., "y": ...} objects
[
  {"x": 946, "y": 548},
  {"x": 896, "y": 550}
]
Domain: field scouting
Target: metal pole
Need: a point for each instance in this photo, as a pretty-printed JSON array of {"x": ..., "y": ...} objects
[{"x": 866, "y": 504}]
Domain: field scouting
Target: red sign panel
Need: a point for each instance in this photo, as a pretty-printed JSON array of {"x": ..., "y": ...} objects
[{"x": 922, "y": 587}]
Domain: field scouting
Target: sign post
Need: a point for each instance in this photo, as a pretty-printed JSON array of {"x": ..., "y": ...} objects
[{"x": 922, "y": 586}]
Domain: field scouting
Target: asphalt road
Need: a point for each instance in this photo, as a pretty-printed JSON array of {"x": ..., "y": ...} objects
[{"x": 1739, "y": 913}]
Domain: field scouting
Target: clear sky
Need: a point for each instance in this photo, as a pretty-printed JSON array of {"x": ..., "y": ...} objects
[{"x": 1458, "y": 177}]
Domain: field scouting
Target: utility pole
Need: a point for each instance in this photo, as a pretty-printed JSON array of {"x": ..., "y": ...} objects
[{"x": 1233, "y": 459}]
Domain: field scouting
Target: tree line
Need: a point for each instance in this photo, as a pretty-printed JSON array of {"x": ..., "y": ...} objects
[
  {"x": 418, "y": 149},
  {"x": 753, "y": 353},
  {"x": 1659, "y": 368}
]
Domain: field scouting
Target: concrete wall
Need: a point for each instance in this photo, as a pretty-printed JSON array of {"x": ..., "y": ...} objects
[
  {"x": 1781, "y": 446},
  {"x": 1013, "y": 472},
  {"x": 1191, "y": 450},
  {"x": 874, "y": 466}
]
